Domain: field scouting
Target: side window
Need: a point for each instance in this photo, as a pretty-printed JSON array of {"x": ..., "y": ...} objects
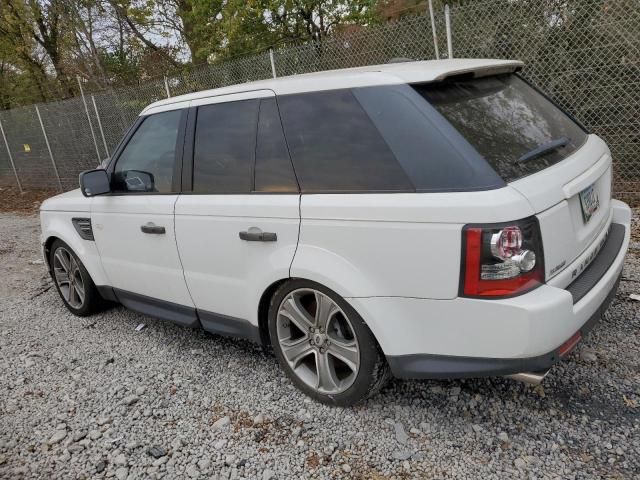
[
  {"x": 224, "y": 149},
  {"x": 273, "y": 172},
  {"x": 336, "y": 147},
  {"x": 147, "y": 162}
]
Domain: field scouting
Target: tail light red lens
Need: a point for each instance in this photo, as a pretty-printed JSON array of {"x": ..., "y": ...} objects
[{"x": 501, "y": 260}]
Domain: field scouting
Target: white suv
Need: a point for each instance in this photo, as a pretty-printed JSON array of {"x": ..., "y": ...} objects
[{"x": 438, "y": 219}]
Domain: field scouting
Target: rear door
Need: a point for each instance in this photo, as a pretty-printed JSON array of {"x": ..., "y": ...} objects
[
  {"x": 237, "y": 229},
  {"x": 563, "y": 172}
]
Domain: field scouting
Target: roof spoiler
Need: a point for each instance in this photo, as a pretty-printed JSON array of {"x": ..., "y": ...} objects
[{"x": 478, "y": 72}]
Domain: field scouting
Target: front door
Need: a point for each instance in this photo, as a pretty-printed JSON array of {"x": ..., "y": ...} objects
[{"x": 134, "y": 225}]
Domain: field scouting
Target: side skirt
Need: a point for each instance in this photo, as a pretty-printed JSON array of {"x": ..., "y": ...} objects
[{"x": 184, "y": 316}]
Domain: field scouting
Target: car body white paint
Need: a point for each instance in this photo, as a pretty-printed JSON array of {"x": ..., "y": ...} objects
[
  {"x": 134, "y": 261},
  {"x": 58, "y": 224},
  {"x": 521, "y": 327},
  {"x": 225, "y": 274},
  {"x": 395, "y": 257}
]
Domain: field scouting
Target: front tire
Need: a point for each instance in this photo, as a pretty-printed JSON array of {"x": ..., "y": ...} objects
[
  {"x": 323, "y": 345},
  {"x": 73, "y": 282}
]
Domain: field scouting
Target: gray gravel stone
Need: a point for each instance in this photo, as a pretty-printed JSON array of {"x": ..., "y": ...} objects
[
  {"x": 57, "y": 437},
  {"x": 192, "y": 471},
  {"x": 160, "y": 461},
  {"x": 267, "y": 474},
  {"x": 130, "y": 400},
  {"x": 401, "y": 435},
  {"x": 588, "y": 355},
  {"x": 221, "y": 423},
  {"x": 156, "y": 451},
  {"x": 122, "y": 473}
]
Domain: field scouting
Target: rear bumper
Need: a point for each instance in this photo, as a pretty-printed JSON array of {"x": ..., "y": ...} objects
[
  {"x": 466, "y": 337},
  {"x": 442, "y": 366}
]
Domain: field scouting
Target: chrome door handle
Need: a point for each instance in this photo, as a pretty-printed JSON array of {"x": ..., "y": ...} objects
[
  {"x": 152, "y": 229},
  {"x": 257, "y": 235}
]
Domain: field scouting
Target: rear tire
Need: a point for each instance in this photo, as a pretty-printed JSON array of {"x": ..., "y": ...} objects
[
  {"x": 328, "y": 352},
  {"x": 73, "y": 283}
]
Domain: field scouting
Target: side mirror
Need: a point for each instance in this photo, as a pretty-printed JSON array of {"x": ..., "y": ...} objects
[{"x": 94, "y": 182}]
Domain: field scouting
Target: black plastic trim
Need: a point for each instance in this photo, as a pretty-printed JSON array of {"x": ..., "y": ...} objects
[
  {"x": 84, "y": 234},
  {"x": 107, "y": 293},
  {"x": 187, "y": 154},
  {"x": 427, "y": 366},
  {"x": 229, "y": 326},
  {"x": 599, "y": 266},
  {"x": 185, "y": 316}
]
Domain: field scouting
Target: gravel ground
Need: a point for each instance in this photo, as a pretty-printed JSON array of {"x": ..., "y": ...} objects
[{"x": 95, "y": 398}]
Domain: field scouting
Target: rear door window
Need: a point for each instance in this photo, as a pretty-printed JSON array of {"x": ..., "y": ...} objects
[
  {"x": 274, "y": 171},
  {"x": 504, "y": 118},
  {"x": 224, "y": 148},
  {"x": 336, "y": 147}
]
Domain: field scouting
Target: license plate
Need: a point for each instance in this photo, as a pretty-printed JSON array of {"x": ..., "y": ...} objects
[{"x": 589, "y": 202}]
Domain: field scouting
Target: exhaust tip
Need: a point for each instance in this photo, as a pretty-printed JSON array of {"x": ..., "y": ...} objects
[{"x": 531, "y": 378}]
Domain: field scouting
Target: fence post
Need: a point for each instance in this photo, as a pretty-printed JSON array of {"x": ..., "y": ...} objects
[
  {"x": 15, "y": 172},
  {"x": 447, "y": 22},
  {"x": 104, "y": 140},
  {"x": 273, "y": 63},
  {"x": 166, "y": 87},
  {"x": 433, "y": 30},
  {"x": 46, "y": 140},
  {"x": 86, "y": 109}
]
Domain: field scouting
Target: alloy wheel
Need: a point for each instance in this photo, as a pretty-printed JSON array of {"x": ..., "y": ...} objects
[
  {"x": 68, "y": 277},
  {"x": 318, "y": 341}
]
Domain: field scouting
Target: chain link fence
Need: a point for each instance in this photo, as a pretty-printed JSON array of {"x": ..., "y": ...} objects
[{"x": 584, "y": 53}]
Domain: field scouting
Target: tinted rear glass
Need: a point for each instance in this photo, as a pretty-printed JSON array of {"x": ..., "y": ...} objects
[
  {"x": 434, "y": 155},
  {"x": 274, "y": 171},
  {"x": 504, "y": 118},
  {"x": 336, "y": 147},
  {"x": 224, "y": 148}
]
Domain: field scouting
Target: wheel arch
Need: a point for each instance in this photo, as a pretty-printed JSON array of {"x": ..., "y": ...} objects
[
  {"x": 263, "y": 310},
  {"x": 267, "y": 295}
]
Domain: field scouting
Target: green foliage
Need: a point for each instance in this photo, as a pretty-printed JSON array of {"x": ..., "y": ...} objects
[{"x": 45, "y": 44}]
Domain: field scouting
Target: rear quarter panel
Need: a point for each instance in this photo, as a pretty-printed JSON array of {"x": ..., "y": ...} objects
[{"x": 394, "y": 244}]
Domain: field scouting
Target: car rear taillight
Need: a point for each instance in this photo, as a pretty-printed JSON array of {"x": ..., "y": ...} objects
[{"x": 501, "y": 260}]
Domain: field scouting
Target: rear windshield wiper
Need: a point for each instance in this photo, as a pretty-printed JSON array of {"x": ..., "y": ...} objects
[{"x": 544, "y": 148}]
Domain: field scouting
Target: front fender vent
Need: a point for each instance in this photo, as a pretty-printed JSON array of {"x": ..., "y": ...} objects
[{"x": 83, "y": 227}]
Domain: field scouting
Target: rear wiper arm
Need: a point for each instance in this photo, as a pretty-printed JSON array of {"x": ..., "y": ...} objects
[{"x": 544, "y": 148}]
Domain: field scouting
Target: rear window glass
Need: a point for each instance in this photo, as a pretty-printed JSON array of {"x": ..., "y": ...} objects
[
  {"x": 504, "y": 119},
  {"x": 336, "y": 147}
]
